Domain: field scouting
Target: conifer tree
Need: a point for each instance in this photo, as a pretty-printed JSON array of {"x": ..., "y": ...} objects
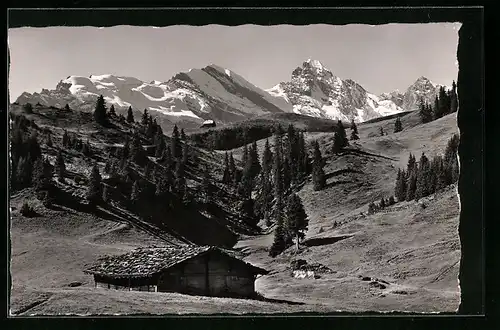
[
  {"x": 106, "y": 194},
  {"x": 337, "y": 143},
  {"x": 436, "y": 108},
  {"x": 112, "y": 112},
  {"x": 372, "y": 208},
  {"x": 150, "y": 129},
  {"x": 226, "y": 176},
  {"x": 206, "y": 185},
  {"x": 144, "y": 118},
  {"x": 160, "y": 146},
  {"x": 354, "y": 131},
  {"x": 180, "y": 180},
  {"x": 423, "y": 177},
  {"x": 319, "y": 180},
  {"x": 443, "y": 103},
  {"x": 278, "y": 167},
  {"x": 454, "y": 98},
  {"x": 94, "y": 192},
  {"x": 296, "y": 218},
  {"x": 381, "y": 131},
  {"x": 411, "y": 185},
  {"x": 232, "y": 167},
  {"x": 163, "y": 184},
  {"x": 398, "y": 126},
  {"x": 148, "y": 170},
  {"x": 245, "y": 154},
  {"x": 49, "y": 140},
  {"x": 100, "y": 115},
  {"x": 42, "y": 175},
  {"x": 400, "y": 189},
  {"x": 33, "y": 147},
  {"x": 125, "y": 151},
  {"x": 86, "y": 150},
  {"x": 279, "y": 243},
  {"x": 287, "y": 175},
  {"x": 238, "y": 174},
  {"x": 137, "y": 153},
  {"x": 24, "y": 172},
  {"x": 66, "y": 107},
  {"x": 130, "y": 115},
  {"x": 167, "y": 159},
  {"x": 60, "y": 166},
  {"x": 175, "y": 144},
  {"x": 253, "y": 154},
  {"x": 302, "y": 161},
  {"x": 341, "y": 132},
  {"x": 264, "y": 198},
  {"x": 382, "y": 203},
  {"x": 28, "y": 108},
  {"x": 246, "y": 185},
  {"x": 425, "y": 112},
  {"x": 183, "y": 135},
  {"x": 412, "y": 164},
  {"x": 136, "y": 196},
  {"x": 185, "y": 153}
]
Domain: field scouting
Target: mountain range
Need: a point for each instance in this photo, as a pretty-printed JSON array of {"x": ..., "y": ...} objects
[{"x": 222, "y": 95}]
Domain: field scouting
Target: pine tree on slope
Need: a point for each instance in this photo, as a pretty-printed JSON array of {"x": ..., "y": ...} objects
[
  {"x": 296, "y": 218},
  {"x": 319, "y": 180},
  {"x": 354, "y": 131},
  {"x": 100, "y": 115},
  {"x": 130, "y": 115},
  {"x": 94, "y": 192},
  {"x": 398, "y": 126},
  {"x": 60, "y": 166}
]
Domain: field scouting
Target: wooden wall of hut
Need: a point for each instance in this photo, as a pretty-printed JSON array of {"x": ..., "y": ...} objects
[{"x": 212, "y": 274}]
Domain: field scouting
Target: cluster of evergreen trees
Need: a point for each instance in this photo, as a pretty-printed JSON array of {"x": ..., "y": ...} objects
[
  {"x": 428, "y": 176},
  {"x": 280, "y": 170},
  {"x": 283, "y": 170},
  {"x": 354, "y": 131},
  {"x": 164, "y": 185},
  {"x": 446, "y": 102},
  {"x": 398, "y": 126},
  {"x": 28, "y": 167},
  {"x": 374, "y": 207},
  {"x": 231, "y": 137},
  {"x": 339, "y": 143},
  {"x": 71, "y": 141},
  {"x": 340, "y": 137}
]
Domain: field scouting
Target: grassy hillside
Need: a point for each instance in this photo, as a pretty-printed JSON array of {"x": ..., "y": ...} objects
[
  {"x": 402, "y": 258},
  {"x": 414, "y": 250}
]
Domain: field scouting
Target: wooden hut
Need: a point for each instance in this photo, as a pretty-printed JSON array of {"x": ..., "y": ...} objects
[
  {"x": 200, "y": 270},
  {"x": 208, "y": 123}
]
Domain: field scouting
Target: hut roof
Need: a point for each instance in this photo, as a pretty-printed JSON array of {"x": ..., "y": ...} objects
[{"x": 146, "y": 262}]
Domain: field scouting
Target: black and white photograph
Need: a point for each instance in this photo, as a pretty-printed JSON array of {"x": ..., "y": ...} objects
[{"x": 176, "y": 170}]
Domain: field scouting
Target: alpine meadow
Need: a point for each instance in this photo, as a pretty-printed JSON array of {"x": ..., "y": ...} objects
[{"x": 204, "y": 193}]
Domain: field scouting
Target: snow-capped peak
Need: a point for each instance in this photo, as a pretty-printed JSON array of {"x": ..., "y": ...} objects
[
  {"x": 424, "y": 80},
  {"x": 315, "y": 64},
  {"x": 211, "y": 92}
]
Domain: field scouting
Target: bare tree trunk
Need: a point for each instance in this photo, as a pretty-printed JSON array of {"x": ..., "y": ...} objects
[{"x": 297, "y": 243}]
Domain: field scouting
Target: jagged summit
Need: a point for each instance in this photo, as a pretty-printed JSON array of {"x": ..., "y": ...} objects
[
  {"x": 315, "y": 64},
  {"x": 313, "y": 90}
]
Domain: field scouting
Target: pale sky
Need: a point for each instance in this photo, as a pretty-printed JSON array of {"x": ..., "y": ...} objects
[{"x": 381, "y": 58}]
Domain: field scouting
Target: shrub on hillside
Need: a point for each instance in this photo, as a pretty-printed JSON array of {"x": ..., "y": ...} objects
[
  {"x": 27, "y": 210},
  {"x": 28, "y": 108}
]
